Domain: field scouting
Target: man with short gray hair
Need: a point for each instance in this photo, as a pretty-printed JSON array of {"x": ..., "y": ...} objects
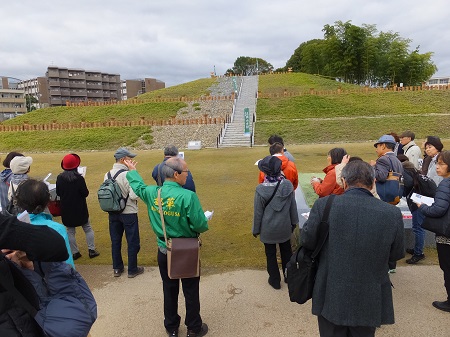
[
  {"x": 352, "y": 293},
  {"x": 171, "y": 151},
  {"x": 183, "y": 218}
]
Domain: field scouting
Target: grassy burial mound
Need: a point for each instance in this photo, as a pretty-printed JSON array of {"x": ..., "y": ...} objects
[
  {"x": 352, "y": 115},
  {"x": 163, "y": 106},
  {"x": 302, "y": 108}
]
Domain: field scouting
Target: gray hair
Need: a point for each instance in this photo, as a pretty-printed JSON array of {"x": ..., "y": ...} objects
[
  {"x": 358, "y": 173},
  {"x": 170, "y": 151},
  {"x": 172, "y": 165}
]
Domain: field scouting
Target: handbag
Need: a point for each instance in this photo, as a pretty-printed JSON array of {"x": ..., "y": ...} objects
[
  {"x": 183, "y": 254},
  {"x": 54, "y": 206},
  {"x": 302, "y": 268},
  {"x": 440, "y": 226},
  {"x": 391, "y": 190}
]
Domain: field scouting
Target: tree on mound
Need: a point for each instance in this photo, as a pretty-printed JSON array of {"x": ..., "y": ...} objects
[
  {"x": 361, "y": 55},
  {"x": 246, "y": 66}
]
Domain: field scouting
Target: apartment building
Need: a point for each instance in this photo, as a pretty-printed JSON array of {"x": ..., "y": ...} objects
[
  {"x": 37, "y": 88},
  {"x": 438, "y": 81},
  {"x": 133, "y": 88},
  {"x": 79, "y": 85},
  {"x": 12, "y": 99}
]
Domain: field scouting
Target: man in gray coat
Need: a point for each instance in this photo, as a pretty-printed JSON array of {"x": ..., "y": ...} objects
[{"x": 352, "y": 293}]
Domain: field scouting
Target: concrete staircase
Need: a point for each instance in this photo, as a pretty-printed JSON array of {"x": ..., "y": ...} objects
[{"x": 234, "y": 131}]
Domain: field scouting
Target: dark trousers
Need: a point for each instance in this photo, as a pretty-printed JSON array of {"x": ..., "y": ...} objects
[
  {"x": 444, "y": 262},
  {"x": 118, "y": 224},
  {"x": 328, "y": 329},
  {"x": 271, "y": 258},
  {"x": 171, "y": 289}
]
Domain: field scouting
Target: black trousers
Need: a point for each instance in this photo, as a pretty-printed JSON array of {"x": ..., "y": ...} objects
[
  {"x": 328, "y": 329},
  {"x": 171, "y": 289},
  {"x": 271, "y": 258},
  {"x": 444, "y": 262}
]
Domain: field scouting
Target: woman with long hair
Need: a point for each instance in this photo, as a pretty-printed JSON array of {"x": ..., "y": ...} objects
[{"x": 72, "y": 190}]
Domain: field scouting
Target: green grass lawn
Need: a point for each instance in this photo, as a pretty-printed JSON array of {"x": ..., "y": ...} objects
[
  {"x": 225, "y": 181},
  {"x": 226, "y": 178}
]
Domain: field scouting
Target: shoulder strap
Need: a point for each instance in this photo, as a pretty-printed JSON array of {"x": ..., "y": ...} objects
[
  {"x": 117, "y": 174},
  {"x": 391, "y": 168},
  {"x": 273, "y": 194},
  {"x": 323, "y": 227},
  {"x": 13, "y": 194},
  {"x": 162, "y": 215}
]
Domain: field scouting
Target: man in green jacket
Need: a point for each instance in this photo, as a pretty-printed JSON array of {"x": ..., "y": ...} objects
[{"x": 183, "y": 217}]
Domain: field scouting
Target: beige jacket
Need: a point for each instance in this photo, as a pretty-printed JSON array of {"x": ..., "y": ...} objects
[{"x": 121, "y": 179}]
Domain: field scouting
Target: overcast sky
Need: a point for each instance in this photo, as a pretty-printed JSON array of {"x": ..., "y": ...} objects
[{"x": 179, "y": 41}]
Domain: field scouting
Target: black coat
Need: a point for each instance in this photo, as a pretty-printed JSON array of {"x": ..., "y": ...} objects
[
  {"x": 74, "y": 211},
  {"x": 441, "y": 201}
]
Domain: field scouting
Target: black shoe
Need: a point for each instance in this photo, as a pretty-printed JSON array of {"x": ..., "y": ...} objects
[
  {"x": 444, "y": 306},
  {"x": 410, "y": 251},
  {"x": 203, "y": 331},
  {"x": 139, "y": 271},
  {"x": 118, "y": 272},
  {"x": 274, "y": 284},
  {"x": 76, "y": 256},
  {"x": 93, "y": 253},
  {"x": 173, "y": 333},
  {"x": 415, "y": 258}
]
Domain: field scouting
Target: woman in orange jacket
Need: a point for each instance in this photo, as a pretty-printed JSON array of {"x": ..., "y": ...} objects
[{"x": 328, "y": 185}]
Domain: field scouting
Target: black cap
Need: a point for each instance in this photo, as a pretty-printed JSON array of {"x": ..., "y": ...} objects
[{"x": 270, "y": 166}]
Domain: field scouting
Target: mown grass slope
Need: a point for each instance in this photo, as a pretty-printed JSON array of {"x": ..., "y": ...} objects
[
  {"x": 346, "y": 116},
  {"x": 301, "y": 119}
]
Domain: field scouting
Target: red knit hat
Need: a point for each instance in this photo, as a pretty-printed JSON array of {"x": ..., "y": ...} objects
[{"x": 70, "y": 161}]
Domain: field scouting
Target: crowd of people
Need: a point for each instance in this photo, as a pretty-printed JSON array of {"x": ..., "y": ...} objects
[
  {"x": 352, "y": 294},
  {"x": 183, "y": 216}
]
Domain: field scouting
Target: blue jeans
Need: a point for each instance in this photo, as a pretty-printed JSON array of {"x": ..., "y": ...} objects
[
  {"x": 128, "y": 223},
  {"x": 419, "y": 232}
]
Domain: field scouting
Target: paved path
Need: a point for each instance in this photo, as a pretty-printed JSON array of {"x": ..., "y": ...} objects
[{"x": 241, "y": 303}]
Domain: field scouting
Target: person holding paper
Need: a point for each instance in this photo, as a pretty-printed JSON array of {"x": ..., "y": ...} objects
[
  {"x": 72, "y": 190},
  {"x": 183, "y": 218},
  {"x": 437, "y": 210}
]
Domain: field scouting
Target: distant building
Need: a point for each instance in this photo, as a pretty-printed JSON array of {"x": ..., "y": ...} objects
[
  {"x": 79, "y": 85},
  {"x": 438, "y": 81},
  {"x": 133, "y": 88},
  {"x": 12, "y": 99},
  {"x": 37, "y": 88}
]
